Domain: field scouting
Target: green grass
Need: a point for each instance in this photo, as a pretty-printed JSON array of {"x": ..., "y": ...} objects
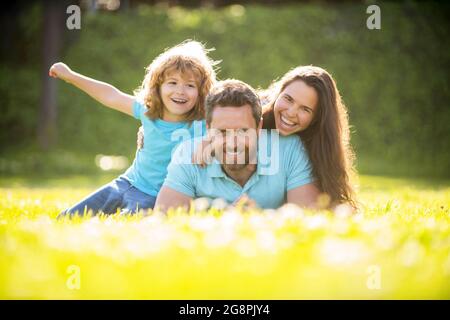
[{"x": 402, "y": 236}]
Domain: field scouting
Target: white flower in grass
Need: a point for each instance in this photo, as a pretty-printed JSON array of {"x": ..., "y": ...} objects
[
  {"x": 385, "y": 239},
  {"x": 203, "y": 223},
  {"x": 335, "y": 251},
  {"x": 411, "y": 253},
  {"x": 201, "y": 204},
  {"x": 343, "y": 210},
  {"x": 316, "y": 222},
  {"x": 257, "y": 222},
  {"x": 270, "y": 212},
  {"x": 446, "y": 266},
  {"x": 186, "y": 241},
  {"x": 219, "y": 204},
  {"x": 290, "y": 211},
  {"x": 267, "y": 241},
  {"x": 245, "y": 247},
  {"x": 219, "y": 238},
  {"x": 341, "y": 226},
  {"x": 231, "y": 218}
]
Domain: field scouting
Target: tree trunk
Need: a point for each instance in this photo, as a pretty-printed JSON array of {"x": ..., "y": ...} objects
[{"x": 52, "y": 32}]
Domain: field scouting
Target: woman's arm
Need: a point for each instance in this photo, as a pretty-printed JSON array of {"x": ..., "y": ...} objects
[
  {"x": 304, "y": 196},
  {"x": 103, "y": 92}
]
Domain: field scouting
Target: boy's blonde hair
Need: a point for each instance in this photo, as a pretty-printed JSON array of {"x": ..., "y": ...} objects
[{"x": 187, "y": 57}]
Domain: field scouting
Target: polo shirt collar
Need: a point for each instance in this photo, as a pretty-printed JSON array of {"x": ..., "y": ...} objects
[{"x": 214, "y": 170}]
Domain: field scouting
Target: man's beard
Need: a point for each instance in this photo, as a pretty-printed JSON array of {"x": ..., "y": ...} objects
[
  {"x": 235, "y": 167},
  {"x": 239, "y": 162}
]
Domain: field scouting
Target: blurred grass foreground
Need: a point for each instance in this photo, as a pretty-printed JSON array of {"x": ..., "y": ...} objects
[{"x": 398, "y": 247}]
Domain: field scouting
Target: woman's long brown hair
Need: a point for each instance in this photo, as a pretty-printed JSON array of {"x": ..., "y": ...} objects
[{"x": 327, "y": 139}]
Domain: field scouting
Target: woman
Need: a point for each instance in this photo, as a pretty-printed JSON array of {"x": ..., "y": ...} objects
[{"x": 306, "y": 102}]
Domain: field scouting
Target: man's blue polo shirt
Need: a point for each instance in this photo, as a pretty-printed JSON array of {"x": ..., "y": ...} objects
[{"x": 283, "y": 165}]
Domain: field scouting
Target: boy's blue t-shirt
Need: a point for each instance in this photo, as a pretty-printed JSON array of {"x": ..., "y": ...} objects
[{"x": 149, "y": 168}]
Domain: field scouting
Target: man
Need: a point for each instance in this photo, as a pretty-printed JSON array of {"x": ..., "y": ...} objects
[{"x": 239, "y": 167}]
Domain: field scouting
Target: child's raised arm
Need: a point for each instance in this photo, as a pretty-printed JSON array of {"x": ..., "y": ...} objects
[{"x": 104, "y": 93}]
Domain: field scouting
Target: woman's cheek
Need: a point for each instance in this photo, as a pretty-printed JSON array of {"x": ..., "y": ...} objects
[
  {"x": 278, "y": 105},
  {"x": 305, "y": 121}
]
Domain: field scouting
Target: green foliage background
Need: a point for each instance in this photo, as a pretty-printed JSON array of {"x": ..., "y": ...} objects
[{"x": 394, "y": 80}]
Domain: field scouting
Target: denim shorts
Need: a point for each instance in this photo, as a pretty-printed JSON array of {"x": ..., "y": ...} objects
[{"x": 119, "y": 194}]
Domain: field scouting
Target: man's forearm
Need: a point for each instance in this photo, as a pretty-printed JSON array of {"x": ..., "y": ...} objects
[{"x": 169, "y": 198}]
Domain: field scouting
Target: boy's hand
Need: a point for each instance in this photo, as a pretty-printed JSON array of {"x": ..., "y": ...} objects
[
  {"x": 203, "y": 154},
  {"x": 60, "y": 70}
]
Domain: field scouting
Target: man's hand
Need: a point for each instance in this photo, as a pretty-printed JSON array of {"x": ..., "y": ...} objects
[{"x": 245, "y": 202}]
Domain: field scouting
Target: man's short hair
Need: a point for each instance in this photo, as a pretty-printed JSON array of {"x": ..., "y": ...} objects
[{"x": 232, "y": 93}]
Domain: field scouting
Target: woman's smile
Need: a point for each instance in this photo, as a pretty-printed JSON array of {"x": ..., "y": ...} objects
[
  {"x": 294, "y": 108},
  {"x": 287, "y": 122}
]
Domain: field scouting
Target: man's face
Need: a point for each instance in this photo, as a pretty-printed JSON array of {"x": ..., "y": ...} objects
[{"x": 234, "y": 136}]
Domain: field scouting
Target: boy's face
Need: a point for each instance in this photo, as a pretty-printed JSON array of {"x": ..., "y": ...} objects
[
  {"x": 235, "y": 136},
  {"x": 179, "y": 94}
]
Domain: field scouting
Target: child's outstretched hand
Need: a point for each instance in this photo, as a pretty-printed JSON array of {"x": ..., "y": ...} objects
[{"x": 60, "y": 70}]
